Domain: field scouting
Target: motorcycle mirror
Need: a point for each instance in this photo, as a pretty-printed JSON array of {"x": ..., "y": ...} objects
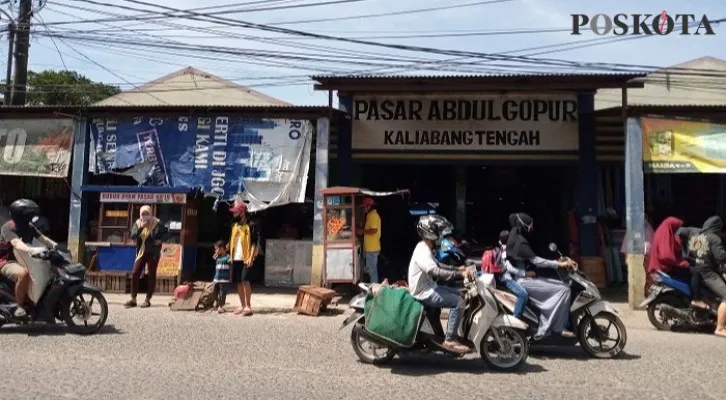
[{"x": 552, "y": 247}]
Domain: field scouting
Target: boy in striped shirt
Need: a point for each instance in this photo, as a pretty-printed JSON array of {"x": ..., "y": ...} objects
[{"x": 221, "y": 275}]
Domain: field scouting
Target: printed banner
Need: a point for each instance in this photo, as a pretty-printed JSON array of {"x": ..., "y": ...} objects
[
  {"x": 265, "y": 161},
  {"x": 676, "y": 146},
  {"x": 36, "y": 147},
  {"x": 466, "y": 122},
  {"x": 170, "y": 260},
  {"x": 143, "y": 198}
]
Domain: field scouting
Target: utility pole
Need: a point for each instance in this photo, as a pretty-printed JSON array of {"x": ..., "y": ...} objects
[
  {"x": 22, "y": 47},
  {"x": 9, "y": 67}
]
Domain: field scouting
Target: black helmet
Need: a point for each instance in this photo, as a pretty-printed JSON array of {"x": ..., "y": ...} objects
[
  {"x": 23, "y": 210},
  {"x": 432, "y": 227}
]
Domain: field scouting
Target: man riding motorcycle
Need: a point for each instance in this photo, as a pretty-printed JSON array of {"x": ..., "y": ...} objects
[
  {"x": 16, "y": 234},
  {"x": 422, "y": 270}
]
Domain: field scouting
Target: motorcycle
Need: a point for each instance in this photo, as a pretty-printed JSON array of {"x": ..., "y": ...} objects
[
  {"x": 499, "y": 338},
  {"x": 669, "y": 304},
  {"x": 586, "y": 308},
  {"x": 58, "y": 291}
]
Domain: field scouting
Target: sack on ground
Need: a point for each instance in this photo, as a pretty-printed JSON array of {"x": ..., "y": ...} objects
[
  {"x": 198, "y": 296},
  {"x": 394, "y": 315}
]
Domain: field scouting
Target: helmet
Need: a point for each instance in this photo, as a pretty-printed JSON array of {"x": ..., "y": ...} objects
[
  {"x": 432, "y": 227},
  {"x": 23, "y": 210}
]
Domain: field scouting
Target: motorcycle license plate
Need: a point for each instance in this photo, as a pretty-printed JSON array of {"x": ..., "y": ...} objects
[{"x": 351, "y": 318}]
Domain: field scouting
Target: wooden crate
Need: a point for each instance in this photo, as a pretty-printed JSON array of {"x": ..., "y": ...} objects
[
  {"x": 311, "y": 300},
  {"x": 594, "y": 270},
  {"x": 110, "y": 282},
  {"x": 117, "y": 282},
  {"x": 165, "y": 284}
]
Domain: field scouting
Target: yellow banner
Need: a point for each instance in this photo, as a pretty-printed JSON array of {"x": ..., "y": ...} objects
[{"x": 675, "y": 146}]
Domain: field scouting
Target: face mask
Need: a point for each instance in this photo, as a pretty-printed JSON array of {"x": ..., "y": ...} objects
[{"x": 145, "y": 218}]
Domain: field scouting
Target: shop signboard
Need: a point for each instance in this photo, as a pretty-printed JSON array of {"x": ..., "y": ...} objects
[
  {"x": 265, "y": 160},
  {"x": 679, "y": 146},
  {"x": 513, "y": 122},
  {"x": 170, "y": 260},
  {"x": 143, "y": 198},
  {"x": 36, "y": 147}
]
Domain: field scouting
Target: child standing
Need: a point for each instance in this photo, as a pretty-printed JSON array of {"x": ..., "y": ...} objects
[
  {"x": 221, "y": 275},
  {"x": 510, "y": 275}
]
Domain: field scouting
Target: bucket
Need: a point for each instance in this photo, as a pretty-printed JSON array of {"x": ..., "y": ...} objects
[{"x": 594, "y": 270}]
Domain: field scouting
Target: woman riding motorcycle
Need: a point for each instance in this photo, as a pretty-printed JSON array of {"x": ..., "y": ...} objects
[
  {"x": 422, "y": 270},
  {"x": 17, "y": 234},
  {"x": 551, "y": 297}
]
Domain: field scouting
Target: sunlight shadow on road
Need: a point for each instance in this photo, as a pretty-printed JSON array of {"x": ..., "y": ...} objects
[
  {"x": 572, "y": 353},
  {"x": 52, "y": 330},
  {"x": 434, "y": 364}
]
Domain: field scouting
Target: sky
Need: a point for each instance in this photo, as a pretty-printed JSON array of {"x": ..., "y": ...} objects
[{"x": 123, "y": 52}]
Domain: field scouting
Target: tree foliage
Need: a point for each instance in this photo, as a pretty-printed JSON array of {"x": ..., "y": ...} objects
[{"x": 51, "y": 87}]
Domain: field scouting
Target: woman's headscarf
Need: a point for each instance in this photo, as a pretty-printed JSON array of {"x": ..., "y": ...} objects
[
  {"x": 518, "y": 247},
  {"x": 712, "y": 225},
  {"x": 665, "y": 251},
  {"x": 152, "y": 221}
]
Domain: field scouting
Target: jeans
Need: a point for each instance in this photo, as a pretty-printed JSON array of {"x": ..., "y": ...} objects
[
  {"x": 448, "y": 297},
  {"x": 372, "y": 265},
  {"x": 522, "y": 296}
]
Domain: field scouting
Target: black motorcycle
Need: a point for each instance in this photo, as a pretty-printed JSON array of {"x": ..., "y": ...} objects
[{"x": 61, "y": 294}]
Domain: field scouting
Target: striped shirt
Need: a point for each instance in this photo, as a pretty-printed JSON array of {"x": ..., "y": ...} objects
[{"x": 221, "y": 273}]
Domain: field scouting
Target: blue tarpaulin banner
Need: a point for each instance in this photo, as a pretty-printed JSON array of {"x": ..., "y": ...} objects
[{"x": 264, "y": 160}]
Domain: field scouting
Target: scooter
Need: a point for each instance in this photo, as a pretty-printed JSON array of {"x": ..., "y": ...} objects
[
  {"x": 500, "y": 339},
  {"x": 58, "y": 291},
  {"x": 586, "y": 310},
  {"x": 669, "y": 304}
]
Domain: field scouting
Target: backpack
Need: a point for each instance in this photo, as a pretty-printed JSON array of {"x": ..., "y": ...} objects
[{"x": 491, "y": 261}]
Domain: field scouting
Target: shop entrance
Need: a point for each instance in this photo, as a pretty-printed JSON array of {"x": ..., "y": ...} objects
[{"x": 492, "y": 193}]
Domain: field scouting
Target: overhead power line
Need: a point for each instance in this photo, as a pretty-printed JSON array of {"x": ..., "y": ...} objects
[
  {"x": 389, "y": 14},
  {"x": 612, "y": 67}
]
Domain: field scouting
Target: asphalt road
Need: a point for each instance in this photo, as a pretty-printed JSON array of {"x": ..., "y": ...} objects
[{"x": 158, "y": 354}]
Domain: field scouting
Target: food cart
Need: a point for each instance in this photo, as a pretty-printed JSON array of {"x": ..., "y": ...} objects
[
  {"x": 116, "y": 251},
  {"x": 342, "y": 247}
]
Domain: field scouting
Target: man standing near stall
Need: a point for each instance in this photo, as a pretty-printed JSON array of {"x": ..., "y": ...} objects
[
  {"x": 244, "y": 247},
  {"x": 371, "y": 237}
]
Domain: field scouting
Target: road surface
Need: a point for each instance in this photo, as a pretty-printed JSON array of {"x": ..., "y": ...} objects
[{"x": 158, "y": 354}]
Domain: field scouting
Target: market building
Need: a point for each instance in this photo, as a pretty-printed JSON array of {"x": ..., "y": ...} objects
[
  {"x": 174, "y": 143},
  {"x": 479, "y": 148},
  {"x": 671, "y": 150}
]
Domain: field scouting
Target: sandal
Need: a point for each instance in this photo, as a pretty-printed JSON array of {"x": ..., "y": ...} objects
[
  {"x": 130, "y": 304},
  {"x": 145, "y": 304}
]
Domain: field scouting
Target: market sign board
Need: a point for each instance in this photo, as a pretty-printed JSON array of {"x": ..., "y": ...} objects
[
  {"x": 517, "y": 122},
  {"x": 143, "y": 198},
  {"x": 678, "y": 146},
  {"x": 36, "y": 147}
]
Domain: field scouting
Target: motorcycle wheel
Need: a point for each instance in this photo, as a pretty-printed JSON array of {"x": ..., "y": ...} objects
[
  {"x": 663, "y": 323},
  {"x": 369, "y": 356},
  {"x": 585, "y": 332},
  {"x": 81, "y": 305},
  {"x": 513, "y": 339}
]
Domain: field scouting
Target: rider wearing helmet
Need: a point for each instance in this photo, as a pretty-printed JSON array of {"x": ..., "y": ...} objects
[
  {"x": 422, "y": 270},
  {"x": 16, "y": 234}
]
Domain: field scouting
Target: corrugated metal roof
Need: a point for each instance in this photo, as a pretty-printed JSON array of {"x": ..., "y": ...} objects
[
  {"x": 277, "y": 111},
  {"x": 191, "y": 85},
  {"x": 480, "y": 76}
]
